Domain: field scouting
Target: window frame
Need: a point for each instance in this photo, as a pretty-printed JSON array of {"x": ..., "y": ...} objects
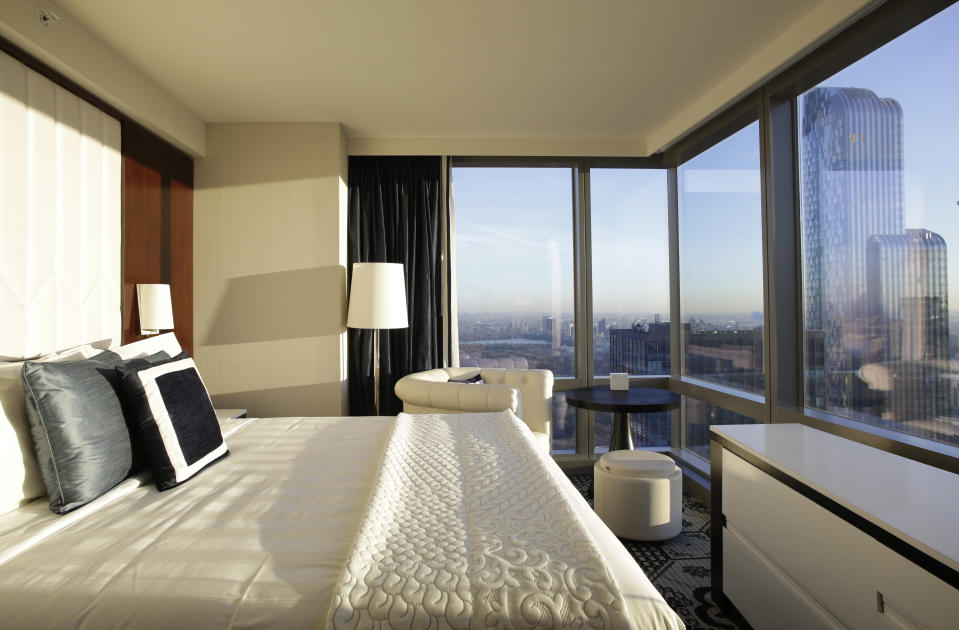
[
  {"x": 756, "y": 406},
  {"x": 780, "y": 106},
  {"x": 660, "y": 381},
  {"x": 582, "y": 282},
  {"x": 774, "y": 104},
  {"x": 574, "y": 164}
]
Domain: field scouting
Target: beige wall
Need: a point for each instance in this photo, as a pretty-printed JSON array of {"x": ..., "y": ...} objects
[
  {"x": 70, "y": 48},
  {"x": 827, "y": 19},
  {"x": 269, "y": 267}
]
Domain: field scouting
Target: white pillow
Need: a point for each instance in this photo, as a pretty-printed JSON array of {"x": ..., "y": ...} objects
[
  {"x": 20, "y": 480},
  {"x": 151, "y": 345}
]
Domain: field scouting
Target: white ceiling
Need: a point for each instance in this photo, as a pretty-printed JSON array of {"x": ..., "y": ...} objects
[{"x": 444, "y": 68}]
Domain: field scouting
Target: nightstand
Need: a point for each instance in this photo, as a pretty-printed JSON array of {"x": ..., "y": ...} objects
[{"x": 226, "y": 414}]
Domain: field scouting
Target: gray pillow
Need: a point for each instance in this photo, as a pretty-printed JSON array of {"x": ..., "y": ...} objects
[{"x": 80, "y": 436}]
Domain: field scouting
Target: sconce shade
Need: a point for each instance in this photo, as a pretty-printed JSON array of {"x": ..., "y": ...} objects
[
  {"x": 156, "y": 308},
  {"x": 377, "y": 296}
]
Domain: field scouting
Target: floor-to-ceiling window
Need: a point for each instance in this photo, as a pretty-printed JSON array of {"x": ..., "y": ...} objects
[
  {"x": 879, "y": 218},
  {"x": 516, "y": 231},
  {"x": 630, "y": 288},
  {"x": 721, "y": 278},
  {"x": 515, "y": 275}
]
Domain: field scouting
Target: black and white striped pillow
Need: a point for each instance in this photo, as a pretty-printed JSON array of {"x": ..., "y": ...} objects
[{"x": 173, "y": 420}]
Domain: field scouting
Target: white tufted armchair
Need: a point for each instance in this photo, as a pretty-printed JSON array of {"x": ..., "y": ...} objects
[{"x": 528, "y": 393}]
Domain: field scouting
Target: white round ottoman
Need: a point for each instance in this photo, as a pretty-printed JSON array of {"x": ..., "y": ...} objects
[{"x": 639, "y": 494}]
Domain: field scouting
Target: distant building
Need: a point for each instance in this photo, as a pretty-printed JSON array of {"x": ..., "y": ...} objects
[
  {"x": 815, "y": 359},
  {"x": 852, "y": 189},
  {"x": 875, "y": 291},
  {"x": 907, "y": 288},
  {"x": 907, "y": 291},
  {"x": 728, "y": 357},
  {"x": 640, "y": 350}
]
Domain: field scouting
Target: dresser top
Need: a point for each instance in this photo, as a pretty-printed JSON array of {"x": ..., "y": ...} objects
[{"x": 914, "y": 501}]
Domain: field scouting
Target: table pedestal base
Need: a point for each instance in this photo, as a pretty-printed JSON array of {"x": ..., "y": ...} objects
[{"x": 622, "y": 437}]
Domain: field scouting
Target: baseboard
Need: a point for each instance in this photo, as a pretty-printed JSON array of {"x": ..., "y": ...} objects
[{"x": 695, "y": 484}]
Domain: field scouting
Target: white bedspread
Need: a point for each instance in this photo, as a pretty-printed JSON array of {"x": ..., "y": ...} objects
[
  {"x": 259, "y": 540},
  {"x": 467, "y": 529}
]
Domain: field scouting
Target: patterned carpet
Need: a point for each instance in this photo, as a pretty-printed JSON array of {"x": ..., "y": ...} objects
[{"x": 679, "y": 568}]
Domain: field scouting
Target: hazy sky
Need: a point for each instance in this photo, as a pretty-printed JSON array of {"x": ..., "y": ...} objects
[
  {"x": 514, "y": 234},
  {"x": 720, "y": 227},
  {"x": 514, "y": 239},
  {"x": 630, "y": 241}
]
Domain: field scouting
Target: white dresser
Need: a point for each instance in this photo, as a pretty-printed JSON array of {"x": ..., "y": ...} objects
[{"x": 817, "y": 531}]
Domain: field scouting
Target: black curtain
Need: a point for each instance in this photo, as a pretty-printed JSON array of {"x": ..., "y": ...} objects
[{"x": 394, "y": 216}]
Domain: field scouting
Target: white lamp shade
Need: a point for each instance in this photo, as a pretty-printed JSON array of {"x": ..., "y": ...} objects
[
  {"x": 377, "y": 296},
  {"x": 156, "y": 308}
]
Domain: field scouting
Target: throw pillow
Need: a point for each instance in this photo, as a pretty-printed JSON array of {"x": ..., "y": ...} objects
[
  {"x": 80, "y": 436},
  {"x": 472, "y": 379},
  {"x": 173, "y": 420}
]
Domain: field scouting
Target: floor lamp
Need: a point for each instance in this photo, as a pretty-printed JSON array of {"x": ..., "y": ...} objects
[{"x": 377, "y": 301}]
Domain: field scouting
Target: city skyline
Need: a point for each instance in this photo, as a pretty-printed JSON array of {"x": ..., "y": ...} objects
[
  {"x": 877, "y": 220},
  {"x": 514, "y": 209}
]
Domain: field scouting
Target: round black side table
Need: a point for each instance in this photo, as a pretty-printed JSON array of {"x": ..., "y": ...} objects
[{"x": 622, "y": 403}]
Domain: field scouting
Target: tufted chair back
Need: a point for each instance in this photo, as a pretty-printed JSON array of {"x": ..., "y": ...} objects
[{"x": 527, "y": 392}]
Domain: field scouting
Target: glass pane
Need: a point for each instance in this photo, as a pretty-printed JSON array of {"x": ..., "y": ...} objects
[
  {"x": 514, "y": 267},
  {"x": 879, "y": 218},
  {"x": 720, "y": 248},
  {"x": 564, "y": 425},
  {"x": 630, "y": 250},
  {"x": 648, "y": 429},
  {"x": 698, "y": 417}
]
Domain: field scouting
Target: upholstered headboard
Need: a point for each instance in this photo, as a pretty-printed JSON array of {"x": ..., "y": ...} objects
[
  {"x": 60, "y": 225},
  {"x": 60, "y": 233}
]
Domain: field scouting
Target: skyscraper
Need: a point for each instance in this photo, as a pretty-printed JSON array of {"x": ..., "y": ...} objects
[
  {"x": 907, "y": 292},
  {"x": 640, "y": 349},
  {"x": 867, "y": 280}
]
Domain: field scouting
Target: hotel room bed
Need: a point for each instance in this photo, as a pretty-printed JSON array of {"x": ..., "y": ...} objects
[
  {"x": 294, "y": 528},
  {"x": 261, "y": 540}
]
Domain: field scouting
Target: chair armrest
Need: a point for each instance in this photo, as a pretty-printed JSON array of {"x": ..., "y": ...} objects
[
  {"x": 425, "y": 392},
  {"x": 536, "y": 394}
]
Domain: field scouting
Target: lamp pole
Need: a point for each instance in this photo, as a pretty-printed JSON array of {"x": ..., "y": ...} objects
[{"x": 376, "y": 369}]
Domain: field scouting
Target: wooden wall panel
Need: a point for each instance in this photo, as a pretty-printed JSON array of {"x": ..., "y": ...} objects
[
  {"x": 157, "y": 228},
  {"x": 181, "y": 261}
]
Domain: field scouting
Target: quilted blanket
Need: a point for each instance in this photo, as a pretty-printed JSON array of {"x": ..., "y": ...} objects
[{"x": 466, "y": 528}]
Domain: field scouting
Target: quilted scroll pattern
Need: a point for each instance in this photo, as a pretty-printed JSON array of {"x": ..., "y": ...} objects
[
  {"x": 467, "y": 528},
  {"x": 59, "y": 217}
]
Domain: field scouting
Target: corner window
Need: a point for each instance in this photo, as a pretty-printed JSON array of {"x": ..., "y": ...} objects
[{"x": 880, "y": 224}]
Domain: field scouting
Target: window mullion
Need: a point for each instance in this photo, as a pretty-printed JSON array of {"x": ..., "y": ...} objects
[
  {"x": 583, "y": 303},
  {"x": 675, "y": 316}
]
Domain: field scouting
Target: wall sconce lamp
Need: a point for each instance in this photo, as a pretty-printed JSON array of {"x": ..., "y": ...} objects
[{"x": 156, "y": 308}]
